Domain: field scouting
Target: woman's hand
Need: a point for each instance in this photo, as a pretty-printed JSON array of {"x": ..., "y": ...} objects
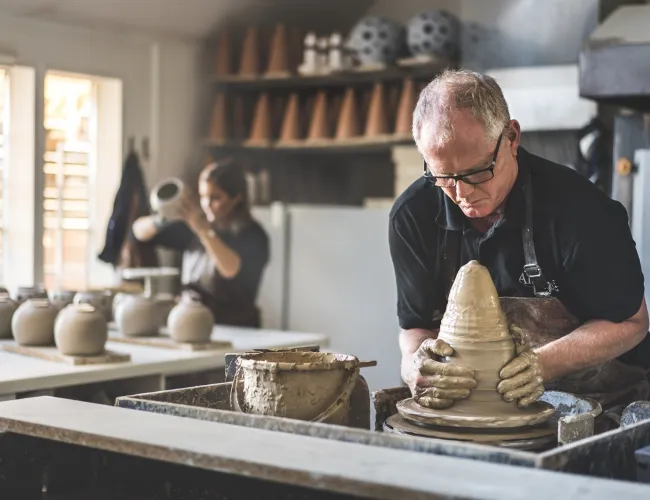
[{"x": 190, "y": 211}]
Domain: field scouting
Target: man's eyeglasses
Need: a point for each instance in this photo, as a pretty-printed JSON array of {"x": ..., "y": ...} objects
[{"x": 476, "y": 177}]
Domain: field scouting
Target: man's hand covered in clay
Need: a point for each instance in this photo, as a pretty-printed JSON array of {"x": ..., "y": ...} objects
[
  {"x": 522, "y": 379},
  {"x": 439, "y": 384}
]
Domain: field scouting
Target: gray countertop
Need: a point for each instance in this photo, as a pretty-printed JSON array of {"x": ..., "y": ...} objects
[{"x": 294, "y": 459}]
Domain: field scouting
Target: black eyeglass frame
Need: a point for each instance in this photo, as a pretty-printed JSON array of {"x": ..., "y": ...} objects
[{"x": 456, "y": 178}]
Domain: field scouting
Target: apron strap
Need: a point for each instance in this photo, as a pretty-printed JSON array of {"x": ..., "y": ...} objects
[{"x": 533, "y": 273}]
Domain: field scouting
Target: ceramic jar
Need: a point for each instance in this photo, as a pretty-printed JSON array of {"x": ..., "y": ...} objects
[
  {"x": 167, "y": 196},
  {"x": 29, "y": 292},
  {"x": 61, "y": 298},
  {"x": 102, "y": 300},
  {"x": 33, "y": 322},
  {"x": 7, "y": 309},
  {"x": 80, "y": 330},
  {"x": 137, "y": 316},
  {"x": 190, "y": 321}
]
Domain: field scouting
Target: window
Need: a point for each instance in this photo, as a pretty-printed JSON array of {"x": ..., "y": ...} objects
[
  {"x": 4, "y": 90},
  {"x": 69, "y": 116}
]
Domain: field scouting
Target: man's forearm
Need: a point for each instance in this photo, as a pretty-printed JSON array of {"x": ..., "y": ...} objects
[
  {"x": 409, "y": 342},
  {"x": 592, "y": 344}
]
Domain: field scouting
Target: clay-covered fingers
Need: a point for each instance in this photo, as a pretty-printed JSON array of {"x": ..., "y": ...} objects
[
  {"x": 519, "y": 380},
  {"x": 518, "y": 365},
  {"x": 523, "y": 391},
  {"x": 436, "y": 347},
  {"x": 433, "y": 403},
  {"x": 531, "y": 398},
  {"x": 432, "y": 367},
  {"x": 443, "y": 393}
]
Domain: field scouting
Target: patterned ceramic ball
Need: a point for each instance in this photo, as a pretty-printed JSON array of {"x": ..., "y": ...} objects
[
  {"x": 434, "y": 33},
  {"x": 375, "y": 40}
]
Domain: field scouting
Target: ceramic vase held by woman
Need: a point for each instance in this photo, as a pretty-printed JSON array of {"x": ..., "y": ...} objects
[{"x": 225, "y": 251}]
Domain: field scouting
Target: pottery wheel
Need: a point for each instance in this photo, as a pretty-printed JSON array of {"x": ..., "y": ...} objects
[
  {"x": 537, "y": 413},
  {"x": 527, "y": 438}
]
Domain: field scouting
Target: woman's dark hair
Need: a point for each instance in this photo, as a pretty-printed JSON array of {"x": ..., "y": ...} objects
[{"x": 229, "y": 175}]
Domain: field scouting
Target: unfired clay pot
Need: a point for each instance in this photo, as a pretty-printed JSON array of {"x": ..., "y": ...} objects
[
  {"x": 137, "y": 316},
  {"x": 477, "y": 329},
  {"x": 102, "y": 300},
  {"x": 61, "y": 298},
  {"x": 167, "y": 196},
  {"x": 7, "y": 309},
  {"x": 33, "y": 322},
  {"x": 80, "y": 330},
  {"x": 30, "y": 292},
  {"x": 190, "y": 321}
]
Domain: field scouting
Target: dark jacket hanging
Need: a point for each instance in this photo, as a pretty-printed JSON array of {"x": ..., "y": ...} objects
[{"x": 131, "y": 201}]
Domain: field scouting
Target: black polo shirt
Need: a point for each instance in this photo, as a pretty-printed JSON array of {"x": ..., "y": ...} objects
[{"x": 582, "y": 240}]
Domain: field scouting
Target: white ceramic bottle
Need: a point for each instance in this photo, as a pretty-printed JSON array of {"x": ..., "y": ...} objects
[
  {"x": 80, "y": 330},
  {"x": 190, "y": 321},
  {"x": 33, "y": 323}
]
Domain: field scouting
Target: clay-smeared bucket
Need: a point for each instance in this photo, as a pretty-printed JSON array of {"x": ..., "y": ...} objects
[{"x": 312, "y": 386}]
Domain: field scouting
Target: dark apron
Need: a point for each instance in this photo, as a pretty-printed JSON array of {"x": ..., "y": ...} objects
[{"x": 544, "y": 319}]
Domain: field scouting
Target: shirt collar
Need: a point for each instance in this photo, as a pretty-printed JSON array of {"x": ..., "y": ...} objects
[{"x": 452, "y": 218}]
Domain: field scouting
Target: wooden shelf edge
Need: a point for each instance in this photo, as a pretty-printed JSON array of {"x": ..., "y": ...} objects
[
  {"x": 380, "y": 142},
  {"x": 402, "y": 69}
]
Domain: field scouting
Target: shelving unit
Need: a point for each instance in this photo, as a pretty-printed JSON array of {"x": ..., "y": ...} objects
[{"x": 323, "y": 138}]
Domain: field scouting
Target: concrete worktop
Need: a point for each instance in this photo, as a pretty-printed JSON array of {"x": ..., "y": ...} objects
[
  {"x": 294, "y": 459},
  {"x": 19, "y": 373}
]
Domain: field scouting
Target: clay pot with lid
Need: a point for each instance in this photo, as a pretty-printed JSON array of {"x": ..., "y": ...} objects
[
  {"x": 167, "y": 197},
  {"x": 80, "y": 330},
  {"x": 33, "y": 323},
  {"x": 137, "y": 316},
  {"x": 190, "y": 321},
  {"x": 102, "y": 300},
  {"x": 7, "y": 309}
]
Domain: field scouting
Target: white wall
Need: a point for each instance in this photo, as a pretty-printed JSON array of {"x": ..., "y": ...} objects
[{"x": 160, "y": 78}]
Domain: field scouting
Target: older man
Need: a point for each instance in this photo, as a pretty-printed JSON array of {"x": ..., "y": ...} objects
[{"x": 559, "y": 251}]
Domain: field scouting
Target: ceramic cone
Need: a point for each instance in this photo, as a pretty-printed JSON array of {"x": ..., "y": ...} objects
[
  {"x": 318, "y": 128},
  {"x": 475, "y": 326},
  {"x": 219, "y": 124},
  {"x": 279, "y": 54},
  {"x": 249, "y": 63},
  {"x": 376, "y": 122},
  {"x": 405, "y": 108},
  {"x": 261, "y": 129},
  {"x": 348, "y": 123},
  {"x": 291, "y": 122},
  {"x": 222, "y": 61}
]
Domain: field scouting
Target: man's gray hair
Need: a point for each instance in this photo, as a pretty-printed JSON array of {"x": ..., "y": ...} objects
[{"x": 460, "y": 90}]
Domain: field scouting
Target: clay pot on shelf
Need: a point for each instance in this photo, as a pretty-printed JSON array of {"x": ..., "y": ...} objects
[
  {"x": 29, "y": 292},
  {"x": 61, "y": 298},
  {"x": 80, "y": 330},
  {"x": 167, "y": 196},
  {"x": 137, "y": 316},
  {"x": 7, "y": 309},
  {"x": 33, "y": 323},
  {"x": 102, "y": 300},
  {"x": 190, "y": 321}
]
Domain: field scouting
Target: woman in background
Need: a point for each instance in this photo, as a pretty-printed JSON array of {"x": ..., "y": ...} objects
[{"x": 224, "y": 249}]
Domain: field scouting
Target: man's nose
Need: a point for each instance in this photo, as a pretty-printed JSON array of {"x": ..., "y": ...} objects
[{"x": 463, "y": 190}]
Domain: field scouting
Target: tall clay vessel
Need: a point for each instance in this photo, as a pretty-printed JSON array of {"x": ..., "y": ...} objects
[
  {"x": 377, "y": 122},
  {"x": 291, "y": 122},
  {"x": 318, "y": 127},
  {"x": 348, "y": 122},
  {"x": 477, "y": 329},
  {"x": 407, "y": 101},
  {"x": 261, "y": 129},
  {"x": 249, "y": 63},
  {"x": 279, "y": 54}
]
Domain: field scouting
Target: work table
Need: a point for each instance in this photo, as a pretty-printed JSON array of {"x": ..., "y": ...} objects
[
  {"x": 19, "y": 373},
  {"x": 172, "y": 450}
]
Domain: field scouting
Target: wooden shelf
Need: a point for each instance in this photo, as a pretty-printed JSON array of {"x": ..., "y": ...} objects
[
  {"x": 405, "y": 69},
  {"x": 360, "y": 144}
]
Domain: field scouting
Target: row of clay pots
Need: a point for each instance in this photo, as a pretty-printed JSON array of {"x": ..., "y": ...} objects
[
  {"x": 188, "y": 320},
  {"x": 349, "y": 123}
]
